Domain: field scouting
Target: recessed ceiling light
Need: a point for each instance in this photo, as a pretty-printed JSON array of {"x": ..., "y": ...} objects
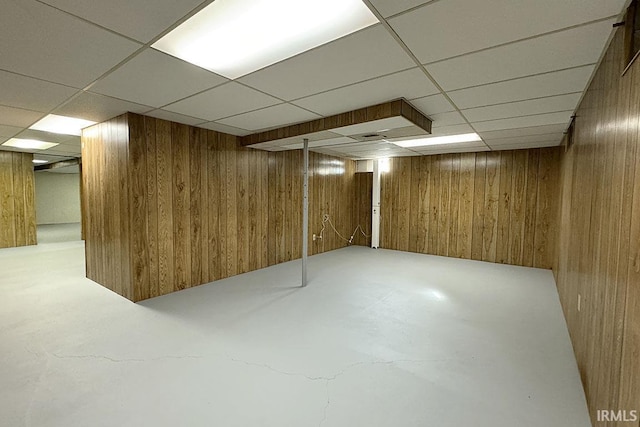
[
  {"x": 29, "y": 144},
  {"x": 39, "y": 162},
  {"x": 62, "y": 124},
  {"x": 438, "y": 140},
  {"x": 236, "y": 37}
]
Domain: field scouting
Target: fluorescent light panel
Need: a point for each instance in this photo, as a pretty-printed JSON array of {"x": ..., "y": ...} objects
[
  {"x": 236, "y": 37},
  {"x": 39, "y": 162},
  {"x": 62, "y": 124},
  {"x": 29, "y": 144},
  {"x": 438, "y": 140}
]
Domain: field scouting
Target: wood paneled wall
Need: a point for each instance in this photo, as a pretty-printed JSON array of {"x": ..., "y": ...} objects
[
  {"x": 17, "y": 200},
  {"x": 497, "y": 206},
  {"x": 599, "y": 237},
  {"x": 169, "y": 206}
]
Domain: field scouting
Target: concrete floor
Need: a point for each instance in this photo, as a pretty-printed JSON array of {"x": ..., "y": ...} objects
[
  {"x": 379, "y": 338},
  {"x": 56, "y": 233}
]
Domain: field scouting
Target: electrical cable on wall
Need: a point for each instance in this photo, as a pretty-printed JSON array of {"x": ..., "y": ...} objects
[{"x": 326, "y": 219}]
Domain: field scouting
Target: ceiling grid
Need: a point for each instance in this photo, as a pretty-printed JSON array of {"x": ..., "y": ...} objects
[{"x": 513, "y": 72}]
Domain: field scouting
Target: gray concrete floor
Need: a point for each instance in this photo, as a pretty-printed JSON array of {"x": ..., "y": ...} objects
[
  {"x": 56, "y": 233},
  {"x": 379, "y": 338}
]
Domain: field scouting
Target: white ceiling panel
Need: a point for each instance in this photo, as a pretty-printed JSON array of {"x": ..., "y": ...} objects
[
  {"x": 526, "y": 139},
  {"x": 447, "y": 119},
  {"x": 156, "y": 79},
  {"x": 523, "y": 108},
  {"x": 451, "y": 130},
  {"x": 18, "y": 117},
  {"x": 434, "y": 104},
  {"x": 452, "y": 148},
  {"x": 219, "y": 127},
  {"x": 276, "y": 116},
  {"x": 405, "y": 131},
  {"x": 98, "y": 108},
  {"x": 315, "y": 136},
  {"x": 566, "y": 49},
  {"x": 322, "y": 143},
  {"x": 223, "y": 101},
  {"x": 360, "y": 56},
  {"x": 449, "y": 28},
  {"x": 43, "y": 42},
  {"x": 49, "y": 137},
  {"x": 174, "y": 117},
  {"x": 374, "y": 126},
  {"x": 389, "y": 8},
  {"x": 32, "y": 94},
  {"x": 9, "y": 131},
  {"x": 137, "y": 19},
  {"x": 524, "y": 131},
  {"x": 541, "y": 85},
  {"x": 562, "y": 117},
  {"x": 405, "y": 84},
  {"x": 521, "y": 146}
]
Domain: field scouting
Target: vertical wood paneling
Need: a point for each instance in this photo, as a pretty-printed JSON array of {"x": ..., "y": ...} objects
[
  {"x": 598, "y": 235},
  {"x": 17, "y": 205},
  {"x": 181, "y": 206},
  {"x": 479, "y": 170},
  {"x": 171, "y": 206},
  {"x": 462, "y": 208},
  {"x": 466, "y": 205},
  {"x": 164, "y": 174},
  {"x": 152, "y": 206}
]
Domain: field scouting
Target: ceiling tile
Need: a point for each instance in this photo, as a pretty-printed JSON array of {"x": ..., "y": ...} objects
[
  {"x": 18, "y": 117},
  {"x": 134, "y": 18},
  {"x": 156, "y": 79},
  {"x": 32, "y": 94},
  {"x": 322, "y": 143},
  {"x": 554, "y": 83},
  {"x": 447, "y": 119},
  {"x": 223, "y": 101},
  {"x": 451, "y": 130},
  {"x": 524, "y": 131},
  {"x": 521, "y": 146},
  {"x": 562, "y": 117},
  {"x": 363, "y": 55},
  {"x": 44, "y": 136},
  {"x": 9, "y": 131},
  {"x": 523, "y": 108},
  {"x": 46, "y": 43},
  {"x": 98, "y": 108},
  {"x": 173, "y": 117},
  {"x": 315, "y": 136},
  {"x": 389, "y": 8},
  {"x": 452, "y": 148},
  {"x": 219, "y": 127},
  {"x": 276, "y": 116},
  {"x": 434, "y": 104},
  {"x": 449, "y": 28},
  {"x": 376, "y": 126},
  {"x": 526, "y": 139},
  {"x": 566, "y": 49},
  {"x": 405, "y": 84},
  {"x": 405, "y": 132}
]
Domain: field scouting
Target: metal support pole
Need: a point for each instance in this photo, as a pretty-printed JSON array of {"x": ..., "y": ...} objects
[
  {"x": 375, "y": 207},
  {"x": 305, "y": 210}
]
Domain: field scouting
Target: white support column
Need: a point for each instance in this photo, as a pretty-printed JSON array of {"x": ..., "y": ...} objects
[
  {"x": 375, "y": 206},
  {"x": 305, "y": 210}
]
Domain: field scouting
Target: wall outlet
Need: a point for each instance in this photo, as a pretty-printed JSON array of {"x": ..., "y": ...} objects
[
  {"x": 314, "y": 237},
  {"x": 579, "y": 302}
]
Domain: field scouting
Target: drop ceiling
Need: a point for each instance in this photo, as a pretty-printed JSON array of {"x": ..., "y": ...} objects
[{"x": 512, "y": 71}]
